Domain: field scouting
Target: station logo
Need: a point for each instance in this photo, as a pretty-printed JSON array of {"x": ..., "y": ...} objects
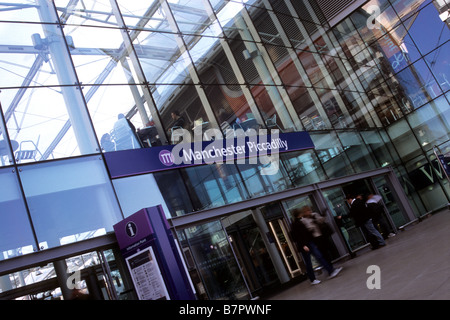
[{"x": 166, "y": 157}]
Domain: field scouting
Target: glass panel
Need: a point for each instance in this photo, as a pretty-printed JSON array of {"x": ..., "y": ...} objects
[
  {"x": 119, "y": 275},
  {"x": 58, "y": 214},
  {"x": 174, "y": 191},
  {"x": 348, "y": 38},
  {"x": 303, "y": 168},
  {"x": 357, "y": 151},
  {"x": 161, "y": 59},
  {"x": 404, "y": 142},
  {"x": 107, "y": 104},
  {"x": 21, "y": 10},
  {"x": 330, "y": 153},
  {"x": 99, "y": 55},
  {"x": 48, "y": 123},
  {"x": 16, "y": 235},
  {"x": 427, "y": 30},
  {"x": 405, "y": 8},
  {"x": 251, "y": 249},
  {"x": 6, "y": 153},
  {"x": 369, "y": 28},
  {"x": 429, "y": 125},
  {"x": 440, "y": 66},
  {"x": 424, "y": 177},
  {"x": 418, "y": 84},
  {"x": 261, "y": 179},
  {"x": 336, "y": 202},
  {"x": 87, "y": 12},
  {"x": 391, "y": 204},
  {"x": 381, "y": 149},
  {"x": 191, "y": 18},
  {"x": 215, "y": 262},
  {"x": 138, "y": 192},
  {"x": 213, "y": 185},
  {"x": 184, "y": 110},
  {"x": 34, "y": 55},
  {"x": 30, "y": 277}
]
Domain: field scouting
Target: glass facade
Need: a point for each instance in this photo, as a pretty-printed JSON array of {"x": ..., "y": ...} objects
[{"x": 80, "y": 78}]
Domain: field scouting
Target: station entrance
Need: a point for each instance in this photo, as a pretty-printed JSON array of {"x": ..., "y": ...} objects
[{"x": 256, "y": 246}]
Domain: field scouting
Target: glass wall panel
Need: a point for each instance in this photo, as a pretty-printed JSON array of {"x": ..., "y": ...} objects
[
  {"x": 214, "y": 185},
  {"x": 7, "y": 147},
  {"x": 99, "y": 55},
  {"x": 174, "y": 191},
  {"x": 369, "y": 28},
  {"x": 46, "y": 123},
  {"x": 407, "y": 8},
  {"x": 262, "y": 179},
  {"x": 429, "y": 125},
  {"x": 69, "y": 200},
  {"x": 427, "y": 30},
  {"x": 405, "y": 143},
  {"x": 138, "y": 192},
  {"x": 183, "y": 110},
  {"x": 33, "y": 55},
  {"x": 440, "y": 66},
  {"x": 161, "y": 58},
  {"x": 331, "y": 154},
  {"x": 357, "y": 151},
  {"x": 87, "y": 12},
  {"x": 303, "y": 168},
  {"x": 424, "y": 176},
  {"x": 21, "y": 10},
  {"x": 353, "y": 235},
  {"x": 381, "y": 149},
  {"x": 16, "y": 234},
  {"x": 107, "y": 104},
  {"x": 418, "y": 84}
]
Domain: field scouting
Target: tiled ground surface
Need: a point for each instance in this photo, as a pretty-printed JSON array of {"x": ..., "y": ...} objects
[{"x": 415, "y": 264}]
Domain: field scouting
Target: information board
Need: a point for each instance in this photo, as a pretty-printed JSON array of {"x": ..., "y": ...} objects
[{"x": 146, "y": 276}]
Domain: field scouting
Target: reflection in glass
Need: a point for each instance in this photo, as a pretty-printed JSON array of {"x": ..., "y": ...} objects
[
  {"x": 336, "y": 202},
  {"x": 440, "y": 66},
  {"x": 427, "y": 29},
  {"x": 58, "y": 215},
  {"x": 213, "y": 185},
  {"x": 16, "y": 235},
  {"x": 215, "y": 262}
]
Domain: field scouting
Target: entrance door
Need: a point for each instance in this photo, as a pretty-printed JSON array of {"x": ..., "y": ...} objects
[
  {"x": 336, "y": 201},
  {"x": 353, "y": 236},
  {"x": 251, "y": 250}
]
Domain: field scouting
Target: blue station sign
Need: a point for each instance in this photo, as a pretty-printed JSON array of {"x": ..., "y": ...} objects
[{"x": 263, "y": 148}]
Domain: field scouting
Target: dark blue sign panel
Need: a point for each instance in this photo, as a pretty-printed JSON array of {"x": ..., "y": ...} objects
[{"x": 266, "y": 147}]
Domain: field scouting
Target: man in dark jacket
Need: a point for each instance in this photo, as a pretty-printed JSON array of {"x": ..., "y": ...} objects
[
  {"x": 305, "y": 243},
  {"x": 361, "y": 214}
]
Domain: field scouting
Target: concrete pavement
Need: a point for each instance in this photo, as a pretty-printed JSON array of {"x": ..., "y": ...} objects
[{"x": 415, "y": 264}]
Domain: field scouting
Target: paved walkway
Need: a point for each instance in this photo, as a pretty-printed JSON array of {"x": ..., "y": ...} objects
[{"x": 415, "y": 264}]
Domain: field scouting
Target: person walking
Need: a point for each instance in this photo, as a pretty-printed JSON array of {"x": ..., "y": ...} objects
[
  {"x": 304, "y": 239},
  {"x": 376, "y": 208},
  {"x": 361, "y": 214}
]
